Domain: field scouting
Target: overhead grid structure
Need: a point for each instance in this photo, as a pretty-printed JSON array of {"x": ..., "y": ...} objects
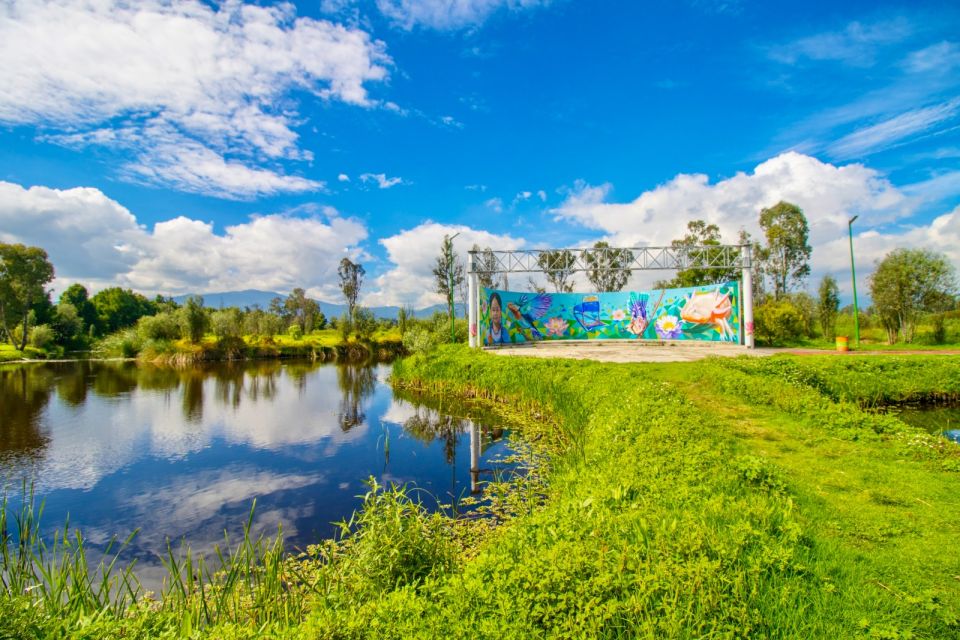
[{"x": 711, "y": 257}]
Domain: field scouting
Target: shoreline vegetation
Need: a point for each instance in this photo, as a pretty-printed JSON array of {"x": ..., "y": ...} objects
[
  {"x": 732, "y": 497},
  {"x": 325, "y": 346}
]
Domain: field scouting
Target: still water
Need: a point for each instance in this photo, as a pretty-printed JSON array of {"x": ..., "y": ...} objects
[
  {"x": 182, "y": 453},
  {"x": 935, "y": 419}
]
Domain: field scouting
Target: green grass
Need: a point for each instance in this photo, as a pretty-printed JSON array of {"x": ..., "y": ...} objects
[
  {"x": 9, "y": 353},
  {"x": 720, "y": 499}
]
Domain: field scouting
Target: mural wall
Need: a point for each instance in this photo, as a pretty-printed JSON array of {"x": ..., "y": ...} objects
[{"x": 710, "y": 313}]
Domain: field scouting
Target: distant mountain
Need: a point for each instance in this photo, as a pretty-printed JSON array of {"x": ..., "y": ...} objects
[{"x": 256, "y": 298}]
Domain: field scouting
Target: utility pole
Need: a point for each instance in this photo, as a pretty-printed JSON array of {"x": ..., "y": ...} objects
[{"x": 853, "y": 274}]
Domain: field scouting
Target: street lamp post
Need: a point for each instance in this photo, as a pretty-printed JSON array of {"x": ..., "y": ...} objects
[
  {"x": 450, "y": 265},
  {"x": 853, "y": 274}
]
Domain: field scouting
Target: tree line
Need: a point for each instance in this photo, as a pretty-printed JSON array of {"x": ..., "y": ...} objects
[{"x": 906, "y": 285}]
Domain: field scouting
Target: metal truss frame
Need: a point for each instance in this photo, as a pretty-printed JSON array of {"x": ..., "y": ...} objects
[
  {"x": 725, "y": 257},
  {"x": 720, "y": 257}
]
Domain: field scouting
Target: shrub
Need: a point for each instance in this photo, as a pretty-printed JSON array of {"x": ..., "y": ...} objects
[
  {"x": 161, "y": 327},
  {"x": 226, "y": 323},
  {"x": 419, "y": 340},
  {"x": 778, "y": 321},
  {"x": 345, "y": 327},
  {"x": 41, "y": 336},
  {"x": 294, "y": 331},
  {"x": 364, "y": 323},
  {"x": 939, "y": 329}
]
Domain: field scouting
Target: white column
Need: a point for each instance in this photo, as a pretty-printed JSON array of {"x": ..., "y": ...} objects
[
  {"x": 747, "y": 298},
  {"x": 472, "y": 293}
]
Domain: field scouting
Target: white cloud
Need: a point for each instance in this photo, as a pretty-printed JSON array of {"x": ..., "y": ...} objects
[
  {"x": 193, "y": 167},
  {"x": 414, "y": 254},
  {"x": 151, "y": 76},
  {"x": 494, "y": 204},
  {"x": 445, "y": 15},
  {"x": 942, "y": 57},
  {"x": 876, "y": 137},
  {"x": 855, "y": 45},
  {"x": 95, "y": 240},
  {"x": 870, "y": 246},
  {"x": 87, "y": 235},
  {"x": 828, "y": 195},
  {"x": 381, "y": 180},
  {"x": 343, "y": 177},
  {"x": 542, "y": 195}
]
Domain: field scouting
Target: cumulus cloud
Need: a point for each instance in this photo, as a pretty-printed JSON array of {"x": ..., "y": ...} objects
[
  {"x": 95, "y": 240},
  {"x": 443, "y": 15},
  {"x": 381, "y": 180},
  {"x": 151, "y": 76},
  {"x": 343, "y": 177},
  {"x": 828, "y": 195},
  {"x": 942, "y": 235},
  {"x": 414, "y": 254}
]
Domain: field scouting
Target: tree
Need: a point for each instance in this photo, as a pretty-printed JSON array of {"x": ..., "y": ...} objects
[
  {"x": 448, "y": 273},
  {"x": 404, "y": 314},
  {"x": 76, "y": 295},
  {"x": 302, "y": 310},
  {"x": 193, "y": 319},
  {"x": 786, "y": 257},
  {"x": 701, "y": 246},
  {"x": 351, "y": 279},
  {"x": 485, "y": 263},
  {"x": 608, "y": 268},
  {"x": 827, "y": 304},
  {"x": 558, "y": 265},
  {"x": 24, "y": 272},
  {"x": 908, "y": 282},
  {"x": 119, "y": 308},
  {"x": 226, "y": 323},
  {"x": 67, "y": 325}
]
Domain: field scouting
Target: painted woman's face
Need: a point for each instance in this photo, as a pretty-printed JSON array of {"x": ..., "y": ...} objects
[{"x": 495, "y": 317}]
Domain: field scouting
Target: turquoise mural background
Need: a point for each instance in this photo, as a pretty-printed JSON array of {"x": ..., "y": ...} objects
[{"x": 710, "y": 313}]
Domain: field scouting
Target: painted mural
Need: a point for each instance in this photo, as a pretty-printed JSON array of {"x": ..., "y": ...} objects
[{"x": 710, "y": 313}]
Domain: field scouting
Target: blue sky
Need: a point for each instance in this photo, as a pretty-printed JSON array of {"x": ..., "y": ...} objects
[{"x": 192, "y": 147}]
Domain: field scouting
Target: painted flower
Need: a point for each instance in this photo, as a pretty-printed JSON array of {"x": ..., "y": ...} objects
[
  {"x": 556, "y": 327},
  {"x": 668, "y": 327},
  {"x": 618, "y": 315}
]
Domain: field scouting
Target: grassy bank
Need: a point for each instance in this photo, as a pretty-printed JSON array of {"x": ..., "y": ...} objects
[{"x": 726, "y": 498}]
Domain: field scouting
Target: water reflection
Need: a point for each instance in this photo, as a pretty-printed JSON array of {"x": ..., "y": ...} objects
[
  {"x": 23, "y": 397},
  {"x": 356, "y": 383},
  {"x": 182, "y": 453}
]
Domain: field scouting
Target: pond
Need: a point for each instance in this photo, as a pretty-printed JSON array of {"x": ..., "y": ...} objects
[
  {"x": 181, "y": 454},
  {"x": 933, "y": 419}
]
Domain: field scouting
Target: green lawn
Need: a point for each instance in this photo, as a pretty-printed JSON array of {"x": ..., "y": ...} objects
[{"x": 748, "y": 497}]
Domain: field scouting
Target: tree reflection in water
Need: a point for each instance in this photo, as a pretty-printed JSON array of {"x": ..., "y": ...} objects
[
  {"x": 357, "y": 383},
  {"x": 24, "y": 393},
  {"x": 428, "y": 425}
]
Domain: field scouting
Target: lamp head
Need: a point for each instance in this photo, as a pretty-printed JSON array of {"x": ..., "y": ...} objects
[{"x": 854, "y": 219}]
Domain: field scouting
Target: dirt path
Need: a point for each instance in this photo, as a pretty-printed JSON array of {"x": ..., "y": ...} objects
[{"x": 615, "y": 351}]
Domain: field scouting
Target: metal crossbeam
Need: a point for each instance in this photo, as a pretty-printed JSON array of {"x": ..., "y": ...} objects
[{"x": 612, "y": 258}]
